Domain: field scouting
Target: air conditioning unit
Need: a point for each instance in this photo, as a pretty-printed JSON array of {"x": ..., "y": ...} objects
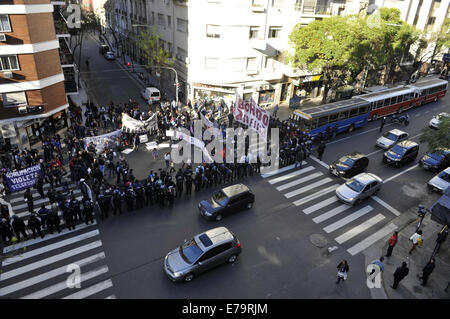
[
  {"x": 7, "y": 75},
  {"x": 2, "y": 37},
  {"x": 22, "y": 109}
]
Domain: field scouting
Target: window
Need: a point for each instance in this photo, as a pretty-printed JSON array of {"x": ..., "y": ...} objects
[
  {"x": 400, "y": 99},
  {"x": 212, "y": 31},
  {"x": 274, "y": 32},
  {"x": 182, "y": 54},
  {"x": 4, "y": 23},
  {"x": 170, "y": 47},
  {"x": 278, "y": 3},
  {"x": 211, "y": 63},
  {"x": 169, "y": 21},
  {"x": 9, "y": 63},
  {"x": 387, "y": 102},
  {"x": 362, "y": 110},
  {"x": 323, "y": 120},
  {"x": 161, "y": 21},
  {"x": 431, "y": 20},
  {"x": 254, "y": 32},
  {"x": 380, "y": 104},
  {"x": 13, "y": 99},
  {"x": 393, "y": 100},
  {"x": 333, "y": 118},
  {"x": 252, "y": 64},
  {"x": 406, "y": 97},
  {"x": 182, "y": 25},
  {"x": 298, "y": 5},
  {"x": 353, "y": 112},
  {"x": 153, "y": 17},
  {"x": 343, "y": 115},
  {"x": 258, "y": 3}
]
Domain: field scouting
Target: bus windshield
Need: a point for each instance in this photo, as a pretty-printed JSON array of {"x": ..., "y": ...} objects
[{"x": 301, "y": 123}]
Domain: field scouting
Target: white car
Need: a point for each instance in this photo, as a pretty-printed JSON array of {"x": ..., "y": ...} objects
[
  {"x": 434, "y": 122},
  {"x": 390, "y": 138},
  {"x": 441, "y": 181},
  {"x": 359, "y": 187},
  {"x": 110, "y": 55}
]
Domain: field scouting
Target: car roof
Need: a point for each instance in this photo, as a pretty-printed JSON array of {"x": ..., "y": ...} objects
[
  {"x": 354, "y": 155},
  {"x": 407, "y": 144},
  {"x": 213, "y": 237},
  {"x": 366, "y": 178},
  {"x": 234, "y": 190},
  {"x": 109, "y": 52},
  {"x": 440, "y": 149},
  {"x": 396, "y": 131}
]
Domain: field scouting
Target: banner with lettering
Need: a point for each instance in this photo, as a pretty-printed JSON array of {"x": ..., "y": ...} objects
[
  {"x": 100, "y": 141},
  {"x": 23, "y": 179},
  {"x": 131, "y": 125},
  {"x": 250, "y": 114},
  {"x": 195, "y": 141}
]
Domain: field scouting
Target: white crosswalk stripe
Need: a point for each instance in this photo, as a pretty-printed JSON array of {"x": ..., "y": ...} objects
[
  {"x": 41, "y": 267},
  {"x": 313, "y": 193}
]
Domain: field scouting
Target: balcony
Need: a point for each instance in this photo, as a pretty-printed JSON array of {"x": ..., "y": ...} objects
[
  {"x": 61, "y": 28},
  {"x": 70, "y": 83},
  {"x": 65, "y": 54},
  {"x": 316, "y": 8}
]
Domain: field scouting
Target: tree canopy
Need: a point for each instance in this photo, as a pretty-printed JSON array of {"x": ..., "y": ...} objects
[{"x": 437, "y": 138}]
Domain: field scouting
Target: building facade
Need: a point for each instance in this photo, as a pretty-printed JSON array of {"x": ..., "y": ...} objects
[{"x": 33, "y": 99}]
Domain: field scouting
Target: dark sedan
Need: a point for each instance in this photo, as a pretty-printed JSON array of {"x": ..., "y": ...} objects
[
  {"x": 227, "y": 201},
  {"x": 349, "y": 165},
  {"x": 436, "y": 160}
]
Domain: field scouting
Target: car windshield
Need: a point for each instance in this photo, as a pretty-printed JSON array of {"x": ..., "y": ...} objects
[
  {"x": 390, "y": 136},
  {"x": 190, "y": 252},
  {"x": 438, "y": 155},
  {"x": 355, "y": 185},
  {"x": 346, "y": 161},
  {"x": 445, "y": 176},
  {"x": 398, "y": 149},
  {"x": 219, "y": 197}
]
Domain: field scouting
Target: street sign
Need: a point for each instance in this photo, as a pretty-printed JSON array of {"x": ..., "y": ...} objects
[{"x": 446, "y": 57}]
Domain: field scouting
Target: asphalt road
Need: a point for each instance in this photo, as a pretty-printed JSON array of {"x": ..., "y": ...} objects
[{"x": 278, "y": 258}]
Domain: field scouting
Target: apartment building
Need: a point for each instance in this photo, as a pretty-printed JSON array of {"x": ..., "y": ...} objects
[{"x": 33, "y": 84}]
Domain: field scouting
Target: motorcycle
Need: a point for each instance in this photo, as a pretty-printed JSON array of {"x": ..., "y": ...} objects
[{"x": 403, "y": 119}]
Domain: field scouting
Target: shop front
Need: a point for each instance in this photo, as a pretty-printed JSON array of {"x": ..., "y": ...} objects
[
  {"x": 209, "y": 94},
  {"x": 266, "y": 98},
  {"x": 309, "y": 86},
  {"x": 36, "y": 129}
]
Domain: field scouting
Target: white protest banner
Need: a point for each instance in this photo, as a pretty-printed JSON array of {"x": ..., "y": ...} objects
[
  {"x": 250, "y": 114},
  {"x": 131, "y": 125},
  {"x": 127, "y": 151},
  {"x": 100, "y": 141},
  {"x": 207, "y": 122},
  {"x": 143, "y": 138},
  {"x": 170, "y": 133},
  {"x": 195, "y": 141}
]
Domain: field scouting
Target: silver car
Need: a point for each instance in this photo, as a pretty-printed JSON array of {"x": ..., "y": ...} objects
[
  {"x": 203, "y": 252},
  {"x": 358, "y": 188},
  {"x": 441, "y": 181},
  {"x": 436, "y": 120},
  {"x": 390, "y": 138}
]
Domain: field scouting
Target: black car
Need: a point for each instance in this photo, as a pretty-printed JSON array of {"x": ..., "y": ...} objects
[
  {"x": 436, "y": 160},
  {"x": 227, "y": 201},
  {"x": 349, "y": 165},
  {"x": 401, "y": 153},
  {"x": 102, "y": 49}
]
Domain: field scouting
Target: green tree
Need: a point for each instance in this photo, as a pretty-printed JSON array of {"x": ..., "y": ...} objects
[{"x": 437, "y": 138}]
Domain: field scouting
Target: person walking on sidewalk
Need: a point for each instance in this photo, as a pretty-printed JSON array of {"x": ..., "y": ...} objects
[
  {"x": 383, "y": 121},
  {"x": 167, "y": 160},
  {"x": 400, "y": 273},
  {"x": 391, "y": 243},
  {"x": 417, "y": 239},
  {"x": 155, "y": 154},
  {"x": 321, "y": 149},
  {"x": 426, "y": 271},
  {"x": 342, "y": 271}
]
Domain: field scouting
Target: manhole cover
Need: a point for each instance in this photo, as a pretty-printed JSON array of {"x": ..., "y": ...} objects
[{"x": 318, "y": 240}]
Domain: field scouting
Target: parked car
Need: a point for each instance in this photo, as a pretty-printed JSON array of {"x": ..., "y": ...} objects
[
  {"x": 203, "y": 252},
  {"x": 434, "y": 122},
  {"x": 151, "y": 95},
  {"x": 349, "y": 165},
  {"x": 102, "y": 49},
  {"x": 358, "y": 188},
  {"x": 441, "y": 181},
  {"x": 436, "y": 160},
  {"x": 227, "y": 201},
  {"x": 110, "y": 55},
  {"x": 401, "y": 153},
  {"x": 390, "y": 138}
]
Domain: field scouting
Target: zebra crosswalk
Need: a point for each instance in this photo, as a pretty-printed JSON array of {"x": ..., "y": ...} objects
[
  {"x": 48, "y": 267},
  {"x": 312, "y": 192}
]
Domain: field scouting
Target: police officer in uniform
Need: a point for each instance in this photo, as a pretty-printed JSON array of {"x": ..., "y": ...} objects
[
  {"x": 88, "y": 210},
  {"x": 149, "y": 192},
  {"x": 34, "y": 224},
  {"x": 53, "y": 218},
  {"x": 19, "y": 227},
  {"x": 68, "y": 215},
  {"x": 140, "y": 195},
  {"x": 104, "y": 206},
  {"x": 117, "y": 200},
  {"x": 129, "y": 198},
  {"x": 43, "y": 214},
  {"x": 75, "y": 204},
  {"x": 180, "y": 180}
]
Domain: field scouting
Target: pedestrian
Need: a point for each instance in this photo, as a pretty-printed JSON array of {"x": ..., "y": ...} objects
[
  {"x": 299, "y": 159},
  {"x": 34, "y": 225},
  {"x": 5, "y": 230},
  {"x": 88, "y": 210},
  {"x": 441, "y": 237},
  {"x": 230, "y": 119},
  {"x": 426, "y": 271},
  {"x": 53, "y": 219},
  {"x": 383, "y": 121},
  {"x": 321, "y": 149},
  {"x": 167, "y": 159},
  {"x": 40, "y": 186},
  {"x": 417, "y": 239},
  {"x": 43, "y": 214},
  {"x": 19, "y": 227},
  {"x": 400, "y": 273},
  {"x": 136, "y": 142},
  {"x": 275, "y": 110},
  {"x": 391, "y": 243},
  {"x": 155, "y": 154},
  {"x": 28, "y": 198},
  {"x": 68, "y": 215},
  {"x": 342, "y": 271}
]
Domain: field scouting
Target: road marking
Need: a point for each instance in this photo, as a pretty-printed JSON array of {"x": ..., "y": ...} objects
[
  {"x": 290, "y": 175},
  {"x": 307, "y": 188},
  {"x": 376, "y": 152},
  {"x": 63, "y": 285},
  {"x": 50, "y": 260},
  {"x": 346, "y": 138},
  {"x": 320, "y": 162},
  {"x": 401, "y": 173},
  {"x": 316, "y": 195},
  {"x": 382, "y": 233},
  {"x": 386, "y": 205},
  {"x": 320, "y": 205},
  {"x": 47, "y": 275},
  {"x": 347, "y": 220},
  {"x": 44, "y": 249},
  {"x": 35, "y": 195},
  {"x": 359, "y": 229},
  {"x": 26, "y": 214},
  {"x": 46, "y": 186},
  {"x": 36, "y": 203},
  {"x": 299, "y": 181},
  {"x": 331, "y": 213},
  {"x": 47, "y": 237},
  {"x": 417, "y": 115},
  {"x": 111, "y": 297},
  {"x": 91, "y": 290},
  {"x": 277, "y": 171}
]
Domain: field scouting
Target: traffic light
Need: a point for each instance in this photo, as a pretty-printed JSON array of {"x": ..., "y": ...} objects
[{"x": 128, "y": 64}]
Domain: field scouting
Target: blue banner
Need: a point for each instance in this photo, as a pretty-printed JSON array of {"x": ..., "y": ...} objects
[{"x": 23, "y": 179}]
